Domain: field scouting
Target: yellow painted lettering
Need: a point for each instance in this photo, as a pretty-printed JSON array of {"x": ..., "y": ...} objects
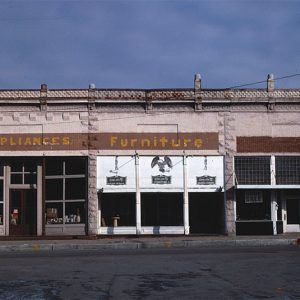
[
  {"x": 3, "y": 141},
  {"x": 198, "y": 143},
  {"x": 12, "y": 141},
  {"x": 174, "y": 144},
  {"x": 186, "y": 142},
  {"x": 145, "y": 143},
  {"x": 163, "y": 141},
  {"x": 36, "y": 141},
  {"x": 113, "y": 140},
  {"x": 45, "y": 141},
  {"x": 27, "y": 141},
  {"x": 133, "y": 142},
  {"x": 66, "y": 140},
  {"x": 55, "y": 140},
  {"x": 124, "y": 143}
]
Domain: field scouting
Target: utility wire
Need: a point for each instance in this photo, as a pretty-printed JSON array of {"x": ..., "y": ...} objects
[
  {"x": 263, "y": 81},
  {"x": 157, "y": 113}
]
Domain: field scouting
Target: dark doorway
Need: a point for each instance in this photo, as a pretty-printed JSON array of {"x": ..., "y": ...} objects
[
  {"x": 293, "y": 211},
  {"x": 23, "y": 212},
  {"x": 162, "y": 209},
  {"x": 206, "y": 212}
]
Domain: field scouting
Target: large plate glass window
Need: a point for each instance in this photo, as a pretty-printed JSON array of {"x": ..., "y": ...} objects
[
  {"x": 116, "y": 184},
  {"x": 66, "y": 190}
]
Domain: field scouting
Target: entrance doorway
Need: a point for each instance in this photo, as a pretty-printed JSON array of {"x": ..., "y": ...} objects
[
  {"x": 23, "y": 212},
  {"x": 293, "y": 215}
]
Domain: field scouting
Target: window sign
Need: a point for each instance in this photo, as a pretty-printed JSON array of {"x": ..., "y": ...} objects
[
  {"x": 116, "y": 173},
  {"x": 205, "y": 173},
  {"x": 161, "y": 173}
]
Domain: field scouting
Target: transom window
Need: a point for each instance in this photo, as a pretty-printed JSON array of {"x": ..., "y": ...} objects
[{"x": 23, "y": 172}]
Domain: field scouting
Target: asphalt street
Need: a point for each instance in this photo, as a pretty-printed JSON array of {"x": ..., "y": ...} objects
[{"x": 185, "y": 273}]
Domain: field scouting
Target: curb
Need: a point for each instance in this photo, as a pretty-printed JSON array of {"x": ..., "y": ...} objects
[{"x": 133, "y": 245}]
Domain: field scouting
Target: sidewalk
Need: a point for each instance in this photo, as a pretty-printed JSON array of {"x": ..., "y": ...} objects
[{"x": 131, "y": 243}]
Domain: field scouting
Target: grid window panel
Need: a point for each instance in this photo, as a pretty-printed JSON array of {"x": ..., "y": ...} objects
[
  {"x": 66, "y": 184},
  {"x": 287, "y": 169},
  {"x": 23, "y": 172},
  {"x": 253, "y": 169}
]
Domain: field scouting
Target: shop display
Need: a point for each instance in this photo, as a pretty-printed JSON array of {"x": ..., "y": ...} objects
[{"x": 52, "y": 217}]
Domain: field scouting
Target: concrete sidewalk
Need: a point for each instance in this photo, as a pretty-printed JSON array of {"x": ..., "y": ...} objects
[{"x": 130, "y": 243}]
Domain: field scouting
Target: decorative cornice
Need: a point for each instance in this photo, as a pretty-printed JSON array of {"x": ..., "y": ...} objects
[{"x": 223, "y": 95}]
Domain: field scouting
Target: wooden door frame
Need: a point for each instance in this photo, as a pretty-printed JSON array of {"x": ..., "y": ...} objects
[{"x": 23, "y": 210}]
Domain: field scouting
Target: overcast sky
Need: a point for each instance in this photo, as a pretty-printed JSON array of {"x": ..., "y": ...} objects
[{"x": 148, "y": 43}]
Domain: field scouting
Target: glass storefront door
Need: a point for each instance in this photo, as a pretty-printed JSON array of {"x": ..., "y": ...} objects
[{"x": 23, "y": 212}]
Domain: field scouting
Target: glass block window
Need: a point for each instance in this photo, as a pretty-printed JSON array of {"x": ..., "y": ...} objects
[
  {"x": 287, "y": 169},
  {"x": 252, "y": 169},
  {"x": 66, "y": 190}
]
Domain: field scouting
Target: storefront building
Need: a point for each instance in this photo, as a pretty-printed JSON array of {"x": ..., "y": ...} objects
[{"x": 134, "y": 162}]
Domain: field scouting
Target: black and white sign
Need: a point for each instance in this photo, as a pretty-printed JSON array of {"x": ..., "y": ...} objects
[
  {"x": 161, "y": 173},
  {"x": 205, "y": 173},
  {"x": 116, "y": 173},
  {"x": 205, "y": 180},
  {"x": 116, "y": 180}
]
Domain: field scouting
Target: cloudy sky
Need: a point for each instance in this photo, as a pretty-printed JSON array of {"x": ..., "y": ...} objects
[{"x": 148, "y": 43}]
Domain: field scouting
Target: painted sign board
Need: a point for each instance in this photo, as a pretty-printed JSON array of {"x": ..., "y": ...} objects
[
  {"x": 109, "y": 141},
  {"x": 205, "y": 173},
  {"x": 161, "y": 173},
  {"x": 116, "y": 173}
]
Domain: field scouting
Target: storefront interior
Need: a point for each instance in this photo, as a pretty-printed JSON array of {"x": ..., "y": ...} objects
[
  {"x": 206, "y": 211},
  {"x": 117, "y": 209},
  {"x": 162, "y": 209},
  {"x": 41, "y": 196}
]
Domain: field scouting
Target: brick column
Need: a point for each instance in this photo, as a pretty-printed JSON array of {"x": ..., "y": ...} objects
[
  {"x": 92, "y": 194},
  {"x": 92, "y": 176},
  {"x": 227, "y": 148}
]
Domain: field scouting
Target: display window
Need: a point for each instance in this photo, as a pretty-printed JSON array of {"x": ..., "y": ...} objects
[
  {"x": 117, "y": 209},
  {"x": 65, "y": 191},
  {"x": 162, "y": 209}
]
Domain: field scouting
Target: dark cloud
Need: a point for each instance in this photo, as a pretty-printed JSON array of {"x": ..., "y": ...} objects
[{"x": 147, "y": 44}]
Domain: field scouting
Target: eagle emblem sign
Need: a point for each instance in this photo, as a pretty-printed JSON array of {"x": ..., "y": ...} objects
[{"x": 164, "y": 166}]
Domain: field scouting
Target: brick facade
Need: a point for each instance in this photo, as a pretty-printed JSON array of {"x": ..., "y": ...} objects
[{"x": 43, "y": 122}]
